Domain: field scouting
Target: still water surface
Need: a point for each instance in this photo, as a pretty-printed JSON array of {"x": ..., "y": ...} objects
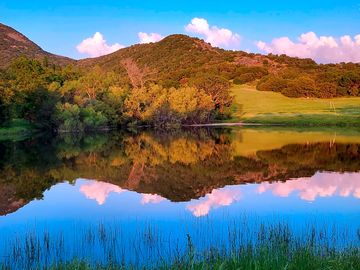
[{"x": 97, "y": 193}]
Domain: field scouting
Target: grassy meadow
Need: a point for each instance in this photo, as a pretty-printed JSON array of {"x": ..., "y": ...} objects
[{"x": 272, "y": 108}]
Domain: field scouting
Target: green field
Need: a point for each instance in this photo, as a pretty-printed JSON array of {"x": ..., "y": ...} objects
[{"x": 254, "y": 106}]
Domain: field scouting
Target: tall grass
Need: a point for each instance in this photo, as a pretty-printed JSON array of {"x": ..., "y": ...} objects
[{"x": 239, "y": 245}]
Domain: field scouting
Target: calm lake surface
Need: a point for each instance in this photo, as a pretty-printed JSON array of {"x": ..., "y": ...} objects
[{"x": 136, "y": 195}]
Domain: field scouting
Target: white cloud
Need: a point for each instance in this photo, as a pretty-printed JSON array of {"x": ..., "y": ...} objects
[
  {"x": 151, "y": 198},
  {"x": 99, "y": 191},
  {"x": 319, "y": 185},
  {"x": 97, "y": 46},
  {"x": 219, "y": 37},
  {"x": 217, "y": 198},
  {"x": 323, "y": 49},
  {"x": 149, "y": 38}
]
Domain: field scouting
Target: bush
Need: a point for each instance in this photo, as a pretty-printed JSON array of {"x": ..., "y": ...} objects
[
  {"x": 272, "y": 83},
  {"x": 245, "y": 78},
  {"x": 68, "y": 117},
  {"x": 300, "y": 87},
  {"x": 160, "y": 106},
  {"x": 93, "y": 119}
]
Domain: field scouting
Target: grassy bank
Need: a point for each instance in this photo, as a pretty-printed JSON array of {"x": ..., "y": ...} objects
[
  {"x": 15, "y": 130},
  {"x": 302, "y": 259},
  {"x": 272, "y": 108}
]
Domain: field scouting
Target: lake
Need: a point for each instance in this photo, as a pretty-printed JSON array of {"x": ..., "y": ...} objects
[{"x": 135, "y": 197}]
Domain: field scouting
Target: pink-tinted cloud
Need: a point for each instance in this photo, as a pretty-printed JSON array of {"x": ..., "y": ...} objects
[
  {"x": 99, "y": 191},
  {"x": 151, "y": 198},
  {"x": 323, "y": 49},
  {"x": 96, "y": 46},
  {"x": 149, "y": 38},
  {"x": 319, "y": 185},
  {"x": 219, "y": 37},
  {"x": 217, "y": 198}
]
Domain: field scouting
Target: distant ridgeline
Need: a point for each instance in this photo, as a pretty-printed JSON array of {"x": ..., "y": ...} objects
[
  {"x": 196, "y": 162},
  {"x": 178, "y": 80}
]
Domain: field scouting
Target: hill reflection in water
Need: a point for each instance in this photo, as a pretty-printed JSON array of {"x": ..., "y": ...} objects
[
  {"x": 206, "y": 164},
  {"x": 136, "y": 196}
]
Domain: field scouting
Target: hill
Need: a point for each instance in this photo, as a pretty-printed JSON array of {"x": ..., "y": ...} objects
[
  {"x": 179, "y": 58},
  {"x": 14, "y": 44},
  {"x": 178, "y": 80},
  {"x": 182, "y": 60}
]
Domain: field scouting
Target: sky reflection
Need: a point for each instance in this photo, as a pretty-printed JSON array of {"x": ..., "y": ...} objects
[
  {"x": 308, "y": 189},
  {"x": 216, "y": 199},
  {"x": 99, "y": 191},
  {"x": 319, "y": 185}
]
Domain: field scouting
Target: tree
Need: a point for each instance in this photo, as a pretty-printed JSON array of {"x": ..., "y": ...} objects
[
  {"x": 68, "y": 117},
  {"x": 39, "y": 107},
  {"x": 137, "y": 76},
  {"x": 191, "y": 105},
  {"x": 160, "y": 106},
  {"x": 143, "y": 103},
  {"x": 96, "y": 82},
  {"x": 217, "y": 87}
]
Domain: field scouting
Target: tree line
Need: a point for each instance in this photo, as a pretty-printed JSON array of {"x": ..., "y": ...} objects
[{"x": 77, "y": 99}]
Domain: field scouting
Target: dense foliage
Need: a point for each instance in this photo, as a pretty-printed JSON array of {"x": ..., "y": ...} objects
[
  {"x": 323, "y": 81},
  {"x": 71, "y": 99}
]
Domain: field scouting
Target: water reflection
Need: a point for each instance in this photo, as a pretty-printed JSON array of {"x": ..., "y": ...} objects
[
  {"x": 319, "y": 185},
  {"x": 217, "y": 198},
  {"x": 122, "y": 195},
  {"x": 99, "y": 191},
  {"x": 181, "y": 166},
  {"x": 334, "y": 186},
  {"x": 151, "y": 199},
  {"x": 307, "y": 189}
]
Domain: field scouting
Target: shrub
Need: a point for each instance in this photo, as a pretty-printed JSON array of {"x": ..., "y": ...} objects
[{"x": 245, "y": 78}]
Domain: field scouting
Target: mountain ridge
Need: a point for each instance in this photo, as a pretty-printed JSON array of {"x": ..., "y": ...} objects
[{"x": 14, "y": 44}]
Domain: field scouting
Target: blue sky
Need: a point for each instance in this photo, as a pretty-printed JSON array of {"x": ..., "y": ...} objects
[{"x": 59, "y": 26}]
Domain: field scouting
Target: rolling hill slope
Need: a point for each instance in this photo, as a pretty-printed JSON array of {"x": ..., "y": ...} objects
[{"x": 14, "y": 44}]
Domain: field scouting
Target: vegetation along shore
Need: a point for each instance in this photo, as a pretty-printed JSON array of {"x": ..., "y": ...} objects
[{"x": 177, "y": 81}]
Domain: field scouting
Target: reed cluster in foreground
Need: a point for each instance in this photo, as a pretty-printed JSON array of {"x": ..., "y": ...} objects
[{"x": 241, "y": 245}]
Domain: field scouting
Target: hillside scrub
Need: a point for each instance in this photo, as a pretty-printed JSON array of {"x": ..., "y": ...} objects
[{"x": 326, "y": 81}]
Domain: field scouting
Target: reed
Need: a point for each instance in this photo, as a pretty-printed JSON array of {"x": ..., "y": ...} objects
[{"x": 240, "y": 245}]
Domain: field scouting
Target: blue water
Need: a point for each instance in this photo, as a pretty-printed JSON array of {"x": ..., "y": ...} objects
[{"x": 95, "y": 219}]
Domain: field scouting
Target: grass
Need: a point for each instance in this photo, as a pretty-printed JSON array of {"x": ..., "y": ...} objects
[
  {"x": 275, "y": 109},
  {"x": 242, "y": 246},
  {"x": 15, "y": 130},
  {"x": 302, "y": 259}
]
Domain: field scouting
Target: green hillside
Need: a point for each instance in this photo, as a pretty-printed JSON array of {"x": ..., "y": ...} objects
[{"x": 177, "y": 81}]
